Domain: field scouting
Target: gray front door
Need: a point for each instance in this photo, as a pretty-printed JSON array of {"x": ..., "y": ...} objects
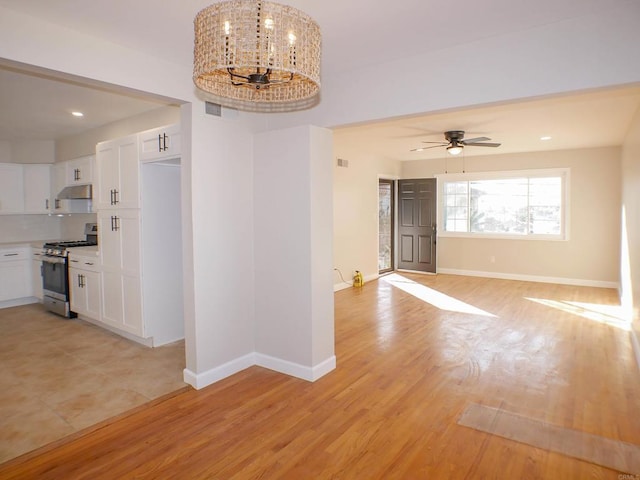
[{"x": 417, "y": 224}]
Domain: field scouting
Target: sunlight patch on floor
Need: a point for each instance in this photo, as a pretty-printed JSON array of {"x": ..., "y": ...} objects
[
  {"x": 607, "y": 314},
  {"x": 431, "y": 296}
]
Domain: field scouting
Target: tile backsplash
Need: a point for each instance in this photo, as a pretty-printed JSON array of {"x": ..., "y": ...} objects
[{"x": 28, "y": 228}]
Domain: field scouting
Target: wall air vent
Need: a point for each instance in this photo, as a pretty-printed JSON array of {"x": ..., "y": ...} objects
[
  {"x": 343, "y": 163},
  {"x": 213, "y": 109}
]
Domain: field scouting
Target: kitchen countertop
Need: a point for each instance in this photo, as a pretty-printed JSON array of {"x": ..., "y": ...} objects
[
  {"x": 37, "y": 244},
  {"x": 85, "y": 251}
]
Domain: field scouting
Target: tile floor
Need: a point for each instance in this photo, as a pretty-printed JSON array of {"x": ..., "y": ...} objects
[{"x": 58, "y": 376}]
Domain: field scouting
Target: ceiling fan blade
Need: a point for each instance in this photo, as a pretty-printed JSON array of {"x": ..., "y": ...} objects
[
  {"x": 439, "y": 143},
  {"x": 482, "y": 144},
  {"x": 474, "y": 140},
  {"x": 419, "y": 149}
]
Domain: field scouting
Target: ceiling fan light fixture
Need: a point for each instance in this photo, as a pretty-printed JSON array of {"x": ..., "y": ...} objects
[
  {"x": 454, "y": 149},
  {"x": 257, "y": 56}
]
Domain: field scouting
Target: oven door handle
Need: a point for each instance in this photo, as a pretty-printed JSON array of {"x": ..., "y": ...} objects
[{"x": 48, "y": 259}]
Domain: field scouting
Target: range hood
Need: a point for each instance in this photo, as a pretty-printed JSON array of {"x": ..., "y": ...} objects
[{"x": 76, "y": 192}]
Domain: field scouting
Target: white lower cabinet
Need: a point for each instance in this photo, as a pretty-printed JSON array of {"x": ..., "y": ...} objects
[
  {"x": 15, "y": 273},
  {"x": 122, "y": 307},
  {"x": 85, "y": 286}
]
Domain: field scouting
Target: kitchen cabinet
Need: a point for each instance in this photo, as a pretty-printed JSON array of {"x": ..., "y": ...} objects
[
  {"x": 36, "y": 272},
  {"x": 139, "y": 221},
  {"x": 85, "y": 286},
  {"x": 11, "y": 188},
  {"x": 15, "y": 273},
  {"x": 119, "y": 240},
  {"x": 60, "y": 178},
  {"x": 118, "y": 173},
  {"x": 79, "y": 171},
  {"x": 160, "y": 143},
  {"x": 37, "y": 188}
]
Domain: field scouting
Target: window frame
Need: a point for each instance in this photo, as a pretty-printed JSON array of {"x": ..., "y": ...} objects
[{"x": 565, "y": 207}]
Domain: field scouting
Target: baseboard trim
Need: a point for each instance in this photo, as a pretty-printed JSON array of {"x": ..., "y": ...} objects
[
  {"x": 201, "y": 380},
  {"x": 531, "y": 278},
  {"x": 311, "y": 374},
  {"x": 147, "y": 342},
  {"x": 18, "y": 302}
]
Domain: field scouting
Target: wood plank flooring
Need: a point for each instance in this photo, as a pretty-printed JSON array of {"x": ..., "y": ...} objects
[{"x": 407, "y": 370}]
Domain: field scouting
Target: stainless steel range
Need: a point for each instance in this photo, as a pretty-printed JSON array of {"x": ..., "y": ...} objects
[{"x": 55, "y": 270}]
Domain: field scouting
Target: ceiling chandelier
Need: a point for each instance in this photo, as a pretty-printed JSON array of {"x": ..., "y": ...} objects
[{"x": 257, "y": 56}]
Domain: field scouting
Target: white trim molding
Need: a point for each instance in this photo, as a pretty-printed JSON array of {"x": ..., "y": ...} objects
[
  {"x": 201, "y": 380},
  {"x": 531, "y": 278},
  {"x": 216, "y": 374},
  {"x": 310, "y": 374}
]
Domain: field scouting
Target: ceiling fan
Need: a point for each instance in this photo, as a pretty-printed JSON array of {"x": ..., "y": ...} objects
[{"x": 455, "y": 142}]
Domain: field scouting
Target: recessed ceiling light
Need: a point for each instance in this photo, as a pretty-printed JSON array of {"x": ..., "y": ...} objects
[
  {"x": 545, "y": 138},
  {"x": 77, "y": 114}
]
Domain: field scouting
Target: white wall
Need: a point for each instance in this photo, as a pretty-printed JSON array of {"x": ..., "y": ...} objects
[
  {"x": 591, "y": 254},
  {"x": 27, "y": 151},
  {"x": 293, "y": 217},
  {"x": 75, "y": 146},
  {"x": 630, "y": 258},
  {"x": 355, "y": 198},
  {"x": 33, "y": 151}
]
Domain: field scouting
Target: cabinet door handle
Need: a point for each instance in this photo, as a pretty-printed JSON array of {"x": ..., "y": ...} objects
[
  {"x": 57, "y": 204},
  {"x": 116, "y": 196},
  {"x": 88, "y": 263},
  {"x": 74, "y": 261},
  {"x": 115, "y": 223},
  {"x": 79, "y": 282},
  {"x": 159, "y": 142},
  {"x": 164, "y": 141},
  {"x": 10, "y": 254},
  {"x": 46, "y": 204},
  {"x": 111, "y": 192}
]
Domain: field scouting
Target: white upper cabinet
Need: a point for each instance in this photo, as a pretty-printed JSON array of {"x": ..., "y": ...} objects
[
  {"x": 79, "y": 171},
  {"x": 37, "y": 188},
  {"x": 160, "y": 143},
  {"x": 118, "y": 173},
  {"x": 11, "y": 188}
]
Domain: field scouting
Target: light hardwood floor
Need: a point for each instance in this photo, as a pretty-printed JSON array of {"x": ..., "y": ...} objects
[{"x": 413, "y": 353}]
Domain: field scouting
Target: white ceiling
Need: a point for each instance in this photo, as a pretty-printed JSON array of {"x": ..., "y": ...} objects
[
  {"x": 356, "y": 33},
  {"x": 588, "y": 120},
  {"x": 39, "y": 107}
]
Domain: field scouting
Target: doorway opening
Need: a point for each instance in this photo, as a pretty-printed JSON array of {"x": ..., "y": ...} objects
[{"x": 386, "y": 225}]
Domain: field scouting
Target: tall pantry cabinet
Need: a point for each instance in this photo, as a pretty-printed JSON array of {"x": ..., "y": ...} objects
[
  {"x": 139, "y": 228},
  {"x": 119, "y": 233}
]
